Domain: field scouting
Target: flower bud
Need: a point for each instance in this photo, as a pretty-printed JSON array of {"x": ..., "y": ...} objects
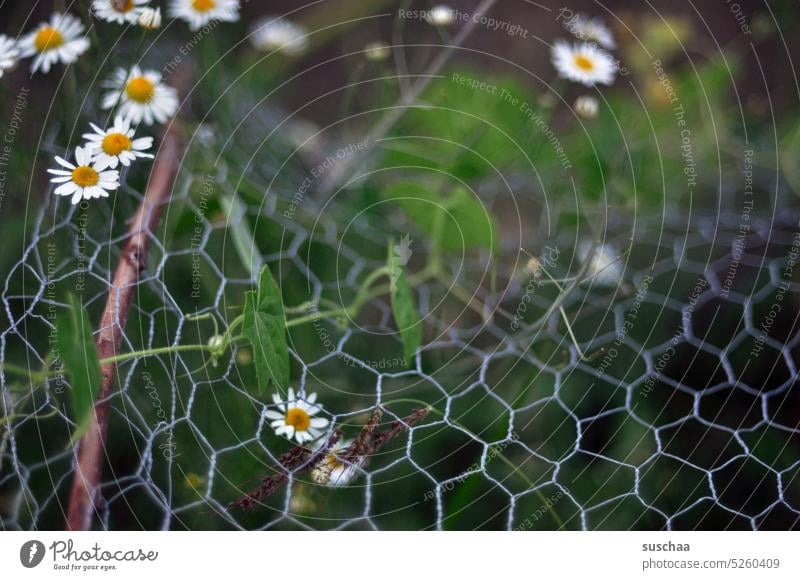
[
  {"x": 150, "y": 18},
  {"x": 376, "y": 51},
  {"x": 586, "y": 106},
  {"x": 441, "y": 15}
]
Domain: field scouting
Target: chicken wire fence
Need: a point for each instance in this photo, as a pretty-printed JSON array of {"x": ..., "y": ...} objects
[{"x": 669, "y": 402}]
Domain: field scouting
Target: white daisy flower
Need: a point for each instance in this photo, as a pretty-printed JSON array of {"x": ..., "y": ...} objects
[
  {"x": 150, "y": 18},
  {"x": 142, "y": 96},
  {"x": 60, "y": 40},
  {"x": 84, "y": 180},
  {"x": 583, "y": 63},
  {"x": 117, "y": 145},
  {"x": 296, "y": 417},
  {"x": 587, "y": 106},
  {"x": 198, "y": 13},
  {"x": 440, "y": 15},
  {"x": 591, "y": 30},
  {"x": 333, "y": 470},
  {"x": 119, "y": 11},
  {"x": 606, "y": 267},
  {"x": 8, "y": 53},
  {"x": 278, "y": 33}
]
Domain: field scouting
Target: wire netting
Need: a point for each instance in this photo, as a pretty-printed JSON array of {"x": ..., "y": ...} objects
[{"x": 670, "y": 400}]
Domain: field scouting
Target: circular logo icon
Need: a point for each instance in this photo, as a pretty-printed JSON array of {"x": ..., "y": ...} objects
[{"x": 31, "y": 553}]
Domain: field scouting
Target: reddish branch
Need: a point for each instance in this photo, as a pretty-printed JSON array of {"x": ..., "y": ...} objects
[
  {"x": 92, "y": 447},
  {"x": 299, "y": 458}
]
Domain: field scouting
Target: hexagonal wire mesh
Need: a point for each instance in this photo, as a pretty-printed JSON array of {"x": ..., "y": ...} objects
[{"x": 675, "y": 406}]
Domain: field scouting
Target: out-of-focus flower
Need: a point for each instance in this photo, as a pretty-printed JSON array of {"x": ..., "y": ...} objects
[
  {"x": 198, "y": 13},
  {"x": 591, "y": 30},
  {"x": 534, "y": 266},
  {"x": 150, "y": 18},
  {"x": 335, "y": 471},
  {"x": 587, "y": 106},
  {"x": 295, "y": 418},
  {"x": 59, "y": 40},
  {"x": 83, "y": 180},
  {"x": 8, "y": 53},
  {"x": 583, "y": 63},
  {"x": 117, "y": 145},
  {"x": 377, "y": 51},
  {"x": 119, "y": 11},
  {"x": 605, "y": 267},
  {"x": 142, "y": 96},
  {"x": 278, "y": 33},
  {"x": 441, "y": 15}
]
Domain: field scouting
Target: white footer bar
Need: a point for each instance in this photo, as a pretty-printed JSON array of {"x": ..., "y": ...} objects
[{"x": 401, "y": 555}]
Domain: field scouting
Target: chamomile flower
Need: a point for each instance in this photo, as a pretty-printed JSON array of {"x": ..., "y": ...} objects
[
  {"x": 119, "y": 11},
  {"x": 333, "y": 470},
  {"x": 8, "y": 53},
  {"x": 84, "y": 179},
  {"x": 583, "y": 63},
  {"x": 59, "y": 40},
  {"x": 117, "y": 145},
  {"x": 142, "y": 96},
  {"x": 606, "y": 267},
  {"x": 278, "y": 33},
  {"x": 295, "y": 418},
  {"x": 198, "y": 13},
  {"x": 591, "y": 30}
]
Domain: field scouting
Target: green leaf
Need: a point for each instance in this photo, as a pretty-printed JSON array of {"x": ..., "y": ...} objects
[
  {"x": 405, "y": 312},
  {"x": 264, "y": 326},
  {"x": 464, "y": 222},
  {"x": 240, "y": 232},
  {"x": 78, "y": 354}
]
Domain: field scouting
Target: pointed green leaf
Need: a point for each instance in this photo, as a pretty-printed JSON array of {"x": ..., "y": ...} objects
[
  {"x": 405, "y": 312},
  {"x": 265, "y": 328},
  {"x": 466, "y": 222},
  {"x": 78, "y": 354}
]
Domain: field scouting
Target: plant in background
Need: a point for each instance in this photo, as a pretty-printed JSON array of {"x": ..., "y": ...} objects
[
  {"x": 119, "y": 11},
  {"x": 140, "y": 96},
  {"x": 199, "y": 13},
  {"x": 60, "y": 40}
]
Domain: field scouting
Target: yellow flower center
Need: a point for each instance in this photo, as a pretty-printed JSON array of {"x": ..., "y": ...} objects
[
  {"x": 203, "y": 5},
  {"x": 122, "y": 5},
  {"x": 332, "y": 460},
  {"x": 85, "y": 176},
  {"x": 298, "y": 419},
  {"x": 48, "y": 38},
  {"x": 116, "y": 143},
  {"x": 140, "y": 89},
  {"x": 584, "y": 63}
]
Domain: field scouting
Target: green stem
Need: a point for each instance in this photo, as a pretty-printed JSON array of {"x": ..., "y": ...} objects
[
  {"x": 151, "y": 351},
  {"x": 362, "y": 295},
  {"x": 23, "y": 372},
  {"x": 87, "y": 15},
  {"x": 205, "y": 316}
]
